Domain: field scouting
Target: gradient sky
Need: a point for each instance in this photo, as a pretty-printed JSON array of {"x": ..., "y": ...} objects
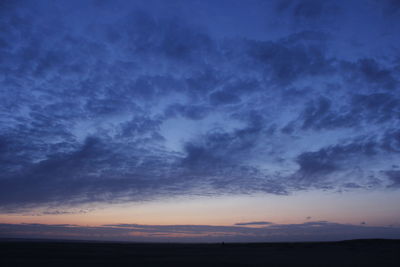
[{"x": 199, "y": 120}]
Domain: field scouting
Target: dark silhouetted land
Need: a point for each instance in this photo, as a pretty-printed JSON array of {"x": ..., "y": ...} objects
[{"x": 376, "y": 252}]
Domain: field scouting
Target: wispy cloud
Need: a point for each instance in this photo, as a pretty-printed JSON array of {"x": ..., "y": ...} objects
[{"x": 252, "y": 223}]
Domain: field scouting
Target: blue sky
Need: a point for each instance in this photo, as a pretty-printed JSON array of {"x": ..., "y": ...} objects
[{"x": 116, "y": 103}]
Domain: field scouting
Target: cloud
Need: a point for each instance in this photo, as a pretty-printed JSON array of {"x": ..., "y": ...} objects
[
  {"x": 61, "y": 212},
  {"x": 390, "y": 141},
  {"x": 309, "y": 12},
  {"x": 193, "y": 112},
  {"x": 394, "y": 177},
  {"x": 322, "y": 168},
  {"x": 389, "y": 7},
  {"x": 316, "y": 163},
  {"x": 252, "y": 223},
  {"x": 220, "y": 149},
  {"x": 368, "y": 71},
  {"x": 309, "y": 231},
  {"x": 93, "y": 172},
  {"x": 86, "y": 104},
  {"x": 223, "y": 97},
  {"x": 288, "y": 60}
]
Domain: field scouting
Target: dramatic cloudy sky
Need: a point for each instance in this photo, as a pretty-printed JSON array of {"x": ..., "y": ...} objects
[{"x": 200, "y": 118}]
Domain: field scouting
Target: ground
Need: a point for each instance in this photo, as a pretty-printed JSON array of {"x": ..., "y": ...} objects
[{"x": 69, "y": 253}]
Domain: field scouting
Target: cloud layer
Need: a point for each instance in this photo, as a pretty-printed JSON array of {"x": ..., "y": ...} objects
[
  {"x": 119, "y": 102},
  {"x": 310, "y": 231}
]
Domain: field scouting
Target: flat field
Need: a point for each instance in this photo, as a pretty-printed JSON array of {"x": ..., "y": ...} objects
[{"x": 374, "y": 252}]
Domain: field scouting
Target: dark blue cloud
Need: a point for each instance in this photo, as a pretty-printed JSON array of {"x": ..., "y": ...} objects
[
  {"x": 390, "y": 7},
  {"x": 310, "y": 13},
  {"x": 223, "y": 97},
  {"x": 394, "y": 177},
  {"x": 98, "y": 105},
  {"x": 287, "y": 60},
  {"x": 193, "y": 112}
]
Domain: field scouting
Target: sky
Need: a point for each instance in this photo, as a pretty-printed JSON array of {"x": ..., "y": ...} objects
[{"x": 200, "y": 121}]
